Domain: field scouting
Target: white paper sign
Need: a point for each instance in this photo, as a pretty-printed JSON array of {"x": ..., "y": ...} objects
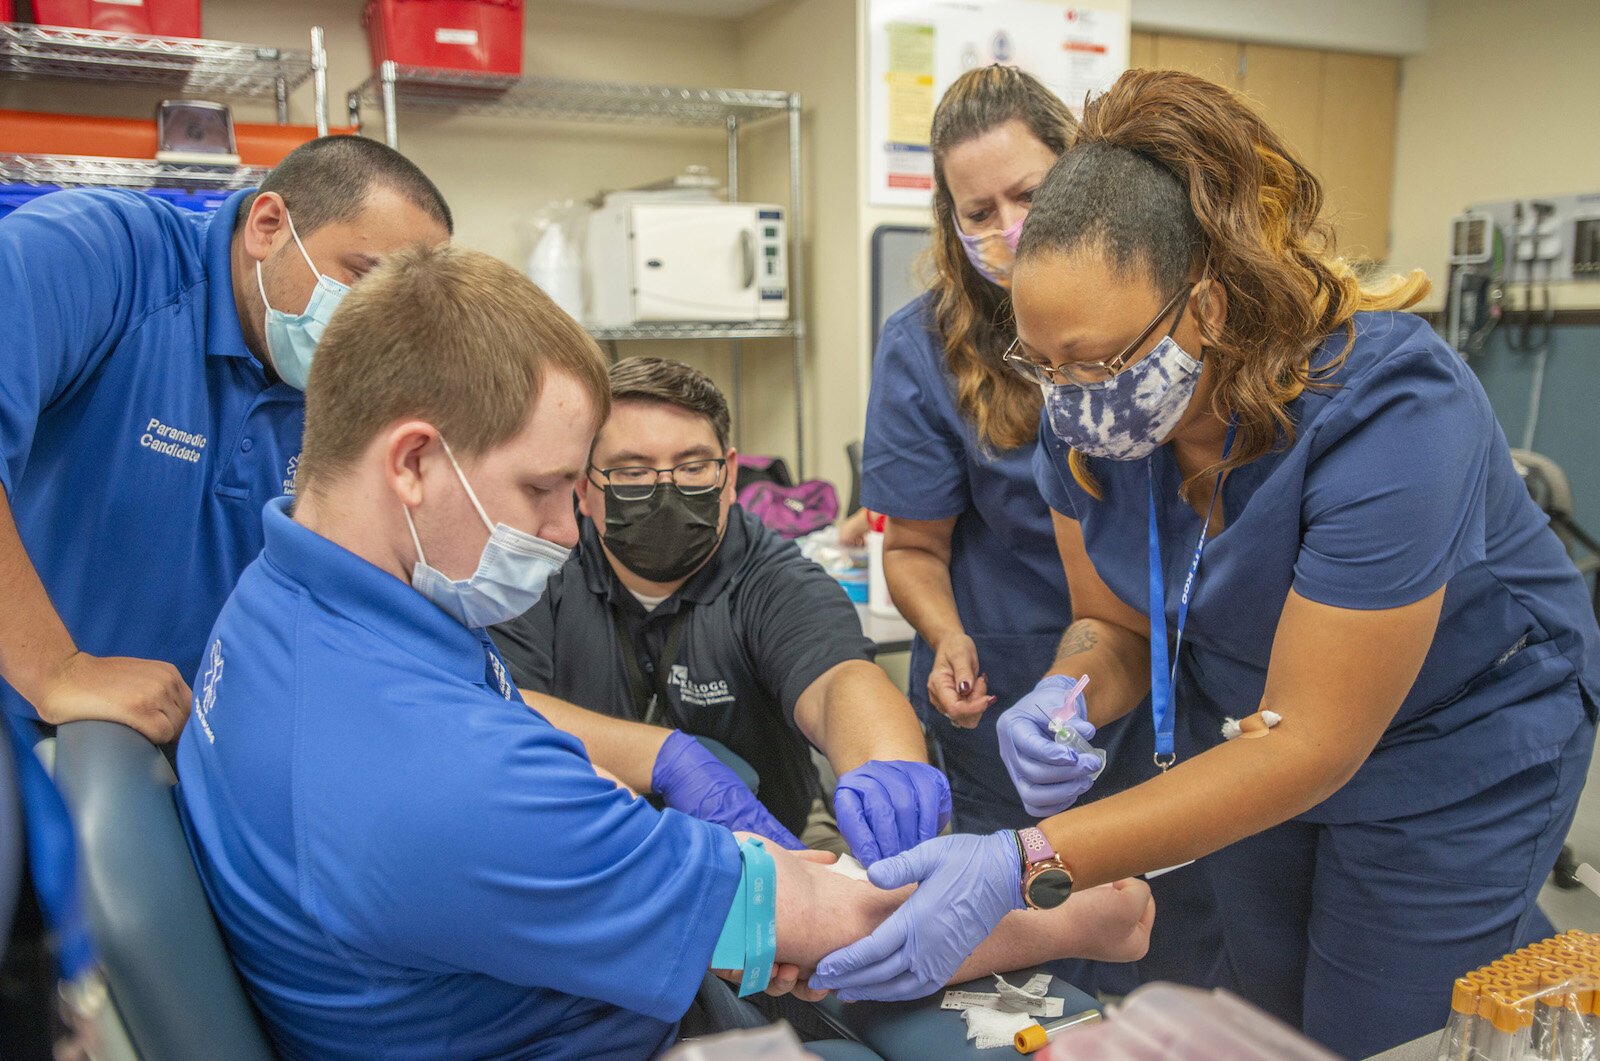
[{"x": 918, "y": 47}]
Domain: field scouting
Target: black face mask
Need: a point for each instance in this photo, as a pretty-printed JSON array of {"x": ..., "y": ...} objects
[{"x": 667, "y": 535}]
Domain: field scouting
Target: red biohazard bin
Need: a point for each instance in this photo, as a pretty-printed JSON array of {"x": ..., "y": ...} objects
[
  {"x": 479, "y": 35},
  {"x": 158, "y": 18}
]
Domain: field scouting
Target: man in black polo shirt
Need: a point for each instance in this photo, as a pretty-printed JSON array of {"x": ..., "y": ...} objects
[{"x": 682, "y": 612}]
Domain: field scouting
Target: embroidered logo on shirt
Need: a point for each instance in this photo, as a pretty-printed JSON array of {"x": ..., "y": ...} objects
[
  {"x": 288, "y": 475},
  {"x": 172, "y": 442},
  {"x": 500, "y": 676},
  {"x": 698, "y": 694},
  {"x": 206, "y": 698},
  {"x": 1505, "y": 657}
]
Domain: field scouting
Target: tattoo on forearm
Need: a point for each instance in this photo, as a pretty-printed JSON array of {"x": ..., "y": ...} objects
[{"x": 1079, "y": 638}]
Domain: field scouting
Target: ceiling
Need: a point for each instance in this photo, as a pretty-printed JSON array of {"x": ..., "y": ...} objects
[{"x": 703, "y": 8}]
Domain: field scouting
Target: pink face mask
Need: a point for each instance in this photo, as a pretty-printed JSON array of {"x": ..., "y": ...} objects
[{"x": 991, "y": 253}]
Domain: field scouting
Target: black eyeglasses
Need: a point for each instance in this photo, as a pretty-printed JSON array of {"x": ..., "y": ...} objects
[
  {"x": 636, "y": 483},
  {"x": 1086, "y": 372}
]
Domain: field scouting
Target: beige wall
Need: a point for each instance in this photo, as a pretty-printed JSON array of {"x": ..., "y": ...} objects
[
  {"x": 1501, "y": 105},
  {"x": 808, "y": 46}
]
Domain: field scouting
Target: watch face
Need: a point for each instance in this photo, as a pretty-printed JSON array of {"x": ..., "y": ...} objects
[{"x": 1049, "y": 888}]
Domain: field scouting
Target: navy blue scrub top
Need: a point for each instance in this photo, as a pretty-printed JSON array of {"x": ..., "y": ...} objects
[
  {"x": 921, "y": 460},
  {"x": 139, "y": 437},
  {"x": 1399, "y": 481},
  {"x": 409, "y": 862}
]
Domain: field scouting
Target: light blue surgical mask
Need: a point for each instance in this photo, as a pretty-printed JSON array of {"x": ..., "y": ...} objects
[
  {"x": 292, "y": 337},
  {"x": 511, "y": 574}
]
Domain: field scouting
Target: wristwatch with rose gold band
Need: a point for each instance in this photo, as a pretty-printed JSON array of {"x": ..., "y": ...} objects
[{"x": 1046, "y": 880}]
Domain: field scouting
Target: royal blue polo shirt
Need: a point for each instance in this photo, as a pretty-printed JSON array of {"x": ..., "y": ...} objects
[
  {"x": 139, "y": 437},
  {"x": 1398, "y": 481},
  {"x": 407, "y": 860}
]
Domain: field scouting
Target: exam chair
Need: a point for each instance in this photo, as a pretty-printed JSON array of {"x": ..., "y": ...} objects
[
  {"x": 171, "y": 985},
  {"x": 1548, "y": 486}
]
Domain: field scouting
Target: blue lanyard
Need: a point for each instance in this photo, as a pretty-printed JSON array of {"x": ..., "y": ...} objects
[
  {"x": 52, "y": 856},
  {"x": 1162, "y": 669}
]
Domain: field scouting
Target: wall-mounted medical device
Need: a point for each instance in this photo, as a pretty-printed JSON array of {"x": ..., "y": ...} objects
[{"x": 1504, "y": 255}]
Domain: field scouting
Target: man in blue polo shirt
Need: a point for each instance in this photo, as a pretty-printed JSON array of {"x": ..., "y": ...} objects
[
  {"x": 408, "y": 861},
  {"x": 151, "y": 369}
]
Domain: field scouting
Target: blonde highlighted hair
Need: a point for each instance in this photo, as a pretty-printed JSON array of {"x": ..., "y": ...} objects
[{"x": 973, "y": 316}]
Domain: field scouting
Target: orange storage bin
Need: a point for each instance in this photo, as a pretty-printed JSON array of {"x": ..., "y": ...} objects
[{"x": 33, "y": 133}]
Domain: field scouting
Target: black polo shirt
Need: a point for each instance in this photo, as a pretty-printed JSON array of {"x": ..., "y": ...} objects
[{"x": 762, "y": 624}]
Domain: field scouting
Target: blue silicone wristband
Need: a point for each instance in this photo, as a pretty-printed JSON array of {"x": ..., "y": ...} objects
[
  {"x": 760, "y": 916},
  {"x": 730, "y": 949}
]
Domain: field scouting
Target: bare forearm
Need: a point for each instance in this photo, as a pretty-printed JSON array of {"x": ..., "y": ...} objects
[
  {"x": 1117, "y": 661},
  {"x": 1223, "y": 795},
  {"x": 33, "y": 639},
  {"x": 854, "y": 713},
  {"x": 1105, "y": 924},
  {"x": 1336, "y": 679},
  {"x": 626, "y": 749},
  {"x": 919, "y": 582},
  {"x": 1086, "y": 926}
]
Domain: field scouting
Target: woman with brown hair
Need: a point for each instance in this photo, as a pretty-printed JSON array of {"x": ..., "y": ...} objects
[
  {"x": 949, "y": 441},
  {"x": 970, "y": 554},
  {"x": 1411, "y": 657}
]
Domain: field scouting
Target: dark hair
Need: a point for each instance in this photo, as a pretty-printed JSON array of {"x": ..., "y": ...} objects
[
  {"x": 656, "y": 379},
  {"x": 1170, "y": 171},
  {"x": 973, "y": 315},
  {"x": 328, "y": 179},
  {"x": 1124, "y": 205}
]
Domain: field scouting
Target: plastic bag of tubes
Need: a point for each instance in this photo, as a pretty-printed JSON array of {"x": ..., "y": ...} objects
[{"x": 1541, "y": 1003}]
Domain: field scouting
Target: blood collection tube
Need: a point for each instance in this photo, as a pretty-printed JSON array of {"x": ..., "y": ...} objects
[
  {"x": 1575, "y": 1042},
  {"x": 1460, "y": 1032},
  {"x": 1497, "y": 1027},
  {"x": 1035, "y": 1036},
  {"x": 1545, "y": 1038}
]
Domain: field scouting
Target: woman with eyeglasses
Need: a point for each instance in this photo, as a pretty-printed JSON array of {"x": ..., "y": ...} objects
[
  {"x": 970, "y": 553},
  {"x": 1283, "y": 503}
]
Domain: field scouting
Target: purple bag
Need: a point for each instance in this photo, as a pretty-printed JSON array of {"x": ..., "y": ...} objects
[{"x": 792, "y": 511}]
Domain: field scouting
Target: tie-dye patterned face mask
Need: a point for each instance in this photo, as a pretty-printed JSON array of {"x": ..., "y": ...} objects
[
  {"x": 992, "y": 253},
  {"x": 1129, "y": 415}
]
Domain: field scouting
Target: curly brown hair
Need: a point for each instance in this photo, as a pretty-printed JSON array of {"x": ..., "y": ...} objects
[
  {"x": 972, "y": 314},
  {"x": 1254, "y": 212}
]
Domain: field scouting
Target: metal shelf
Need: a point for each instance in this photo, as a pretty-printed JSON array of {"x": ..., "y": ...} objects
[
  {"x": 697, "y": 330},
  {"x": 200, "y": 66},
  {"x": 79, "y": 171},
  {"x": 548, "y": 97},
  {"x": 394, "y": 88}
]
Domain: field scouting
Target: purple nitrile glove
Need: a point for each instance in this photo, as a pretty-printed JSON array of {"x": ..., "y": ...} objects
[
  {"x": 966, "y": 884},
  {"x": 1049, "y": 775},
  {"x": 886, "y": 806},
  {"x": 689, "y": 778}
]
